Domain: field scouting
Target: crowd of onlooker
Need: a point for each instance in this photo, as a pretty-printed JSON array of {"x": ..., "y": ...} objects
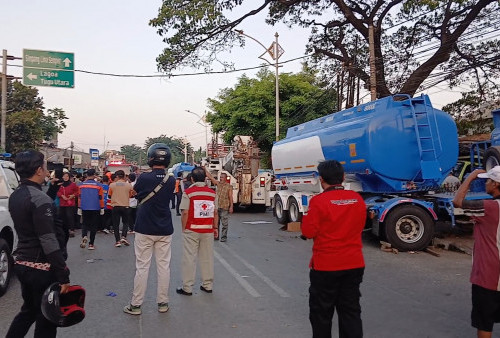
[{"x": 118, "y": 207}]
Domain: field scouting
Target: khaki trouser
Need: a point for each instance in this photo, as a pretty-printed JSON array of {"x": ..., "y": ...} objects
[
  {"x": 201, "y": 246},
  {"x": 144, "y": 246},
  {"x": 224, "y": 220}
]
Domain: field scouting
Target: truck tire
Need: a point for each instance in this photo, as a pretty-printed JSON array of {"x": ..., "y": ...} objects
[
  {"x": 293, "y": 210},
  {"x": 5, "y": 266},
  {"x": 491, "y": 158},
  {"x": 409, "y": 228},
  {"x": 279, "y": 211}
]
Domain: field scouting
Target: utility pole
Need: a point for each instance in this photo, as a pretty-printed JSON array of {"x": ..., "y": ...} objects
[
  {"x": 373, "y": 68},
  {"x": 71, "y": 155},
  {"x": 4, "y": 98},
  {"x": 277, "y": 56},
  {"x": 3, "y": 107},
  {"x": 205, "y": 124},
  {"x": 275, "y": 51}
]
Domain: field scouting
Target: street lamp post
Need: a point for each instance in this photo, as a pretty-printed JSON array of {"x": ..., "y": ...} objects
[
  {"x": 204, "y": 124},
  {"x": 275, "y": 51}
]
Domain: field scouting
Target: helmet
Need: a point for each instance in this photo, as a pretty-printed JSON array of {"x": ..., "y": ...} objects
[
  {"x": 159, "y": 154},
  {"x": 64, "y": 309}
]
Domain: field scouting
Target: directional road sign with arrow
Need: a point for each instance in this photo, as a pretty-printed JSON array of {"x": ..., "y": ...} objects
[{"x": 48, "y": 68}]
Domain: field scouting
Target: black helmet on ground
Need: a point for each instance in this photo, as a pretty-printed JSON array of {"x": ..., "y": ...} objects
[
  {"x": 159, "y": 154},
  {"x": 64, "y": 309}
]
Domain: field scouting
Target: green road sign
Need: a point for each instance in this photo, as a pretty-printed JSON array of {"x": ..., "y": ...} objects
[
  {"x": 48, "y": 60},
  {"x": 48, "y": 77},
  {"x": 47, "y": 68}
]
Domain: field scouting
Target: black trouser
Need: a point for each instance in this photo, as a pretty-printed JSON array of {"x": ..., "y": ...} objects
[
  {"x": 33, "y": 284},
  {"x": 123, "y": 214},
  {"x": 106, "y": 220},
  {"x": 67, "y": 215},
  {"x": 90, "y": 223},
  {"x": 132, "y": 217},
  {"x": 332, "y": 290},
  {"x": 173, "y": 201},
  {"x": 179, "y": 197}
]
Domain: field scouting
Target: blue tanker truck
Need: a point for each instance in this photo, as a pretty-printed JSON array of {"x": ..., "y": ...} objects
[{"x": 396, "y": 152}]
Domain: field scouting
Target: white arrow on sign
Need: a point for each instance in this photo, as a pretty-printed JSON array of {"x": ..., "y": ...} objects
[
  {"x": 32, "y": 76},
  {"x": 66, "y": 62}
]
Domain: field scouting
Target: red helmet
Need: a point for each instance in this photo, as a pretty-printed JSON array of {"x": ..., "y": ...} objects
[{"x": 64, "y": 309}]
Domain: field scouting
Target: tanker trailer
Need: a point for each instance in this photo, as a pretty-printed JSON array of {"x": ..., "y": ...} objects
[{"x": 395, "y": 152}]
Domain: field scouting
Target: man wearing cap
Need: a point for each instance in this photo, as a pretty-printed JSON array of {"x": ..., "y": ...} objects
[
  {"x": 485, "y": 274},
  {"x": 90, "y": 206}
]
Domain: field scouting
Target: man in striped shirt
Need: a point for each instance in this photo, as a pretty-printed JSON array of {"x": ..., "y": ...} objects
[{"x": 485, "y": 274}]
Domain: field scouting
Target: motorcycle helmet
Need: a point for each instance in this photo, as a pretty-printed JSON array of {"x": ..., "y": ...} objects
[
  {"x": 64, "y": 309},
  {"x": 159, "y": 154}
]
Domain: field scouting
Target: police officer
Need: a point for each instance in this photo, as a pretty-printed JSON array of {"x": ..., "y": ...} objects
[
  {"x": 39, "y": 258},
  {"x": 153, "y": 229}
]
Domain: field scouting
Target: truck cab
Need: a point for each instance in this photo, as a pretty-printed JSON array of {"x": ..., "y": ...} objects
[{"x": 9, "y": 181}]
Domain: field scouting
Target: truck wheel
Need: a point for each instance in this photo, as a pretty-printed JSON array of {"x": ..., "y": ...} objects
[
  {"x": 409, "y": 228},
  {"x": 5, "y": 266},
  {"x": 293, "y": 210},
  {"x": 280, "y": 213},
  {"x": 491, "y": 158}
]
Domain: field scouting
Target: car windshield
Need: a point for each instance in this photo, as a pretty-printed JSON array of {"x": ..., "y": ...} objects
[{"x": 458, "y": 168}]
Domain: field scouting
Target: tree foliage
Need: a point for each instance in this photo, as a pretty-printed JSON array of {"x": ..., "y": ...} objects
[
  {"x": 175, "y": 144},
  {"x": 26, "y": 124},
  {"x": 249, "y": 107},
  {"x": 134, "y": 153},
  {"x": 412, "y": 38},
  {"x": 472, "y": 111}
]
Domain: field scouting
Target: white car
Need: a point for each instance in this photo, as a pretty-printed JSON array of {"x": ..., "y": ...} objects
[{"x": 9, "y": 181}]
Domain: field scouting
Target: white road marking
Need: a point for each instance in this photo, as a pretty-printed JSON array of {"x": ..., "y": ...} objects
[
  {"x": 236, "y": 275},
  {"x": 266, "y": 280}
]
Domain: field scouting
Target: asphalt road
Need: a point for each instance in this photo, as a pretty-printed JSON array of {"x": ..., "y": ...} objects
[{"x": 261, "y": 290}]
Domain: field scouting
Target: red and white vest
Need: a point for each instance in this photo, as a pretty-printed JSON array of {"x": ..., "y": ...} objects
[{"x": 201, "y": 209}]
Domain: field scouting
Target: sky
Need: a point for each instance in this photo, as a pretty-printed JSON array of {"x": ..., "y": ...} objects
[{"x": 113, "y": 36}]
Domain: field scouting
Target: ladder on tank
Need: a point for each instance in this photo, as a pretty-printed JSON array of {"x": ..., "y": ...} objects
[{"x": 426, "y": 139}]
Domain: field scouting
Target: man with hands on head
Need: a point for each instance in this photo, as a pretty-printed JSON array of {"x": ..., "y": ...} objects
[
  {"x": 223, "y": 201},
  {"x": 39, "y": 258},
  {"x": 485, "y": 274}
]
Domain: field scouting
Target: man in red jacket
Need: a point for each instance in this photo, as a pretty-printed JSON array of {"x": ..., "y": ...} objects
[{"x": 335, "y": 221}]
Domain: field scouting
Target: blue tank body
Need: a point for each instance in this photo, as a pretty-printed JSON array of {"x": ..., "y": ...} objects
[{"x": 391, "y": 145}]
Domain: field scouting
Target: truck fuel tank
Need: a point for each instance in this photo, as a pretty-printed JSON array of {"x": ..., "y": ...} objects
[{"x": 394, "y": 144}]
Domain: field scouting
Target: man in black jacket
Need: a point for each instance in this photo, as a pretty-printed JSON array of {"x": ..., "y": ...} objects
[{"x": 39, "y": 258}]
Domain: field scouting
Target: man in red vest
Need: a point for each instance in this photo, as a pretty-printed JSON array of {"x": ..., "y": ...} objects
[{"x": 199, "y": 226}]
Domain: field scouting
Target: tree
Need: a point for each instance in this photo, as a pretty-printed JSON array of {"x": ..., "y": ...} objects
[
  {"x": 175, "y": 144},
  {"x": 26, "y": 124},
  {"x": 412, "y": 38},
  {"x": 471, "y": 110},
  {"x": 53, "y": 123},
  {"x": 248, "y": 108},
  {"x": 134, "y": 153}
]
